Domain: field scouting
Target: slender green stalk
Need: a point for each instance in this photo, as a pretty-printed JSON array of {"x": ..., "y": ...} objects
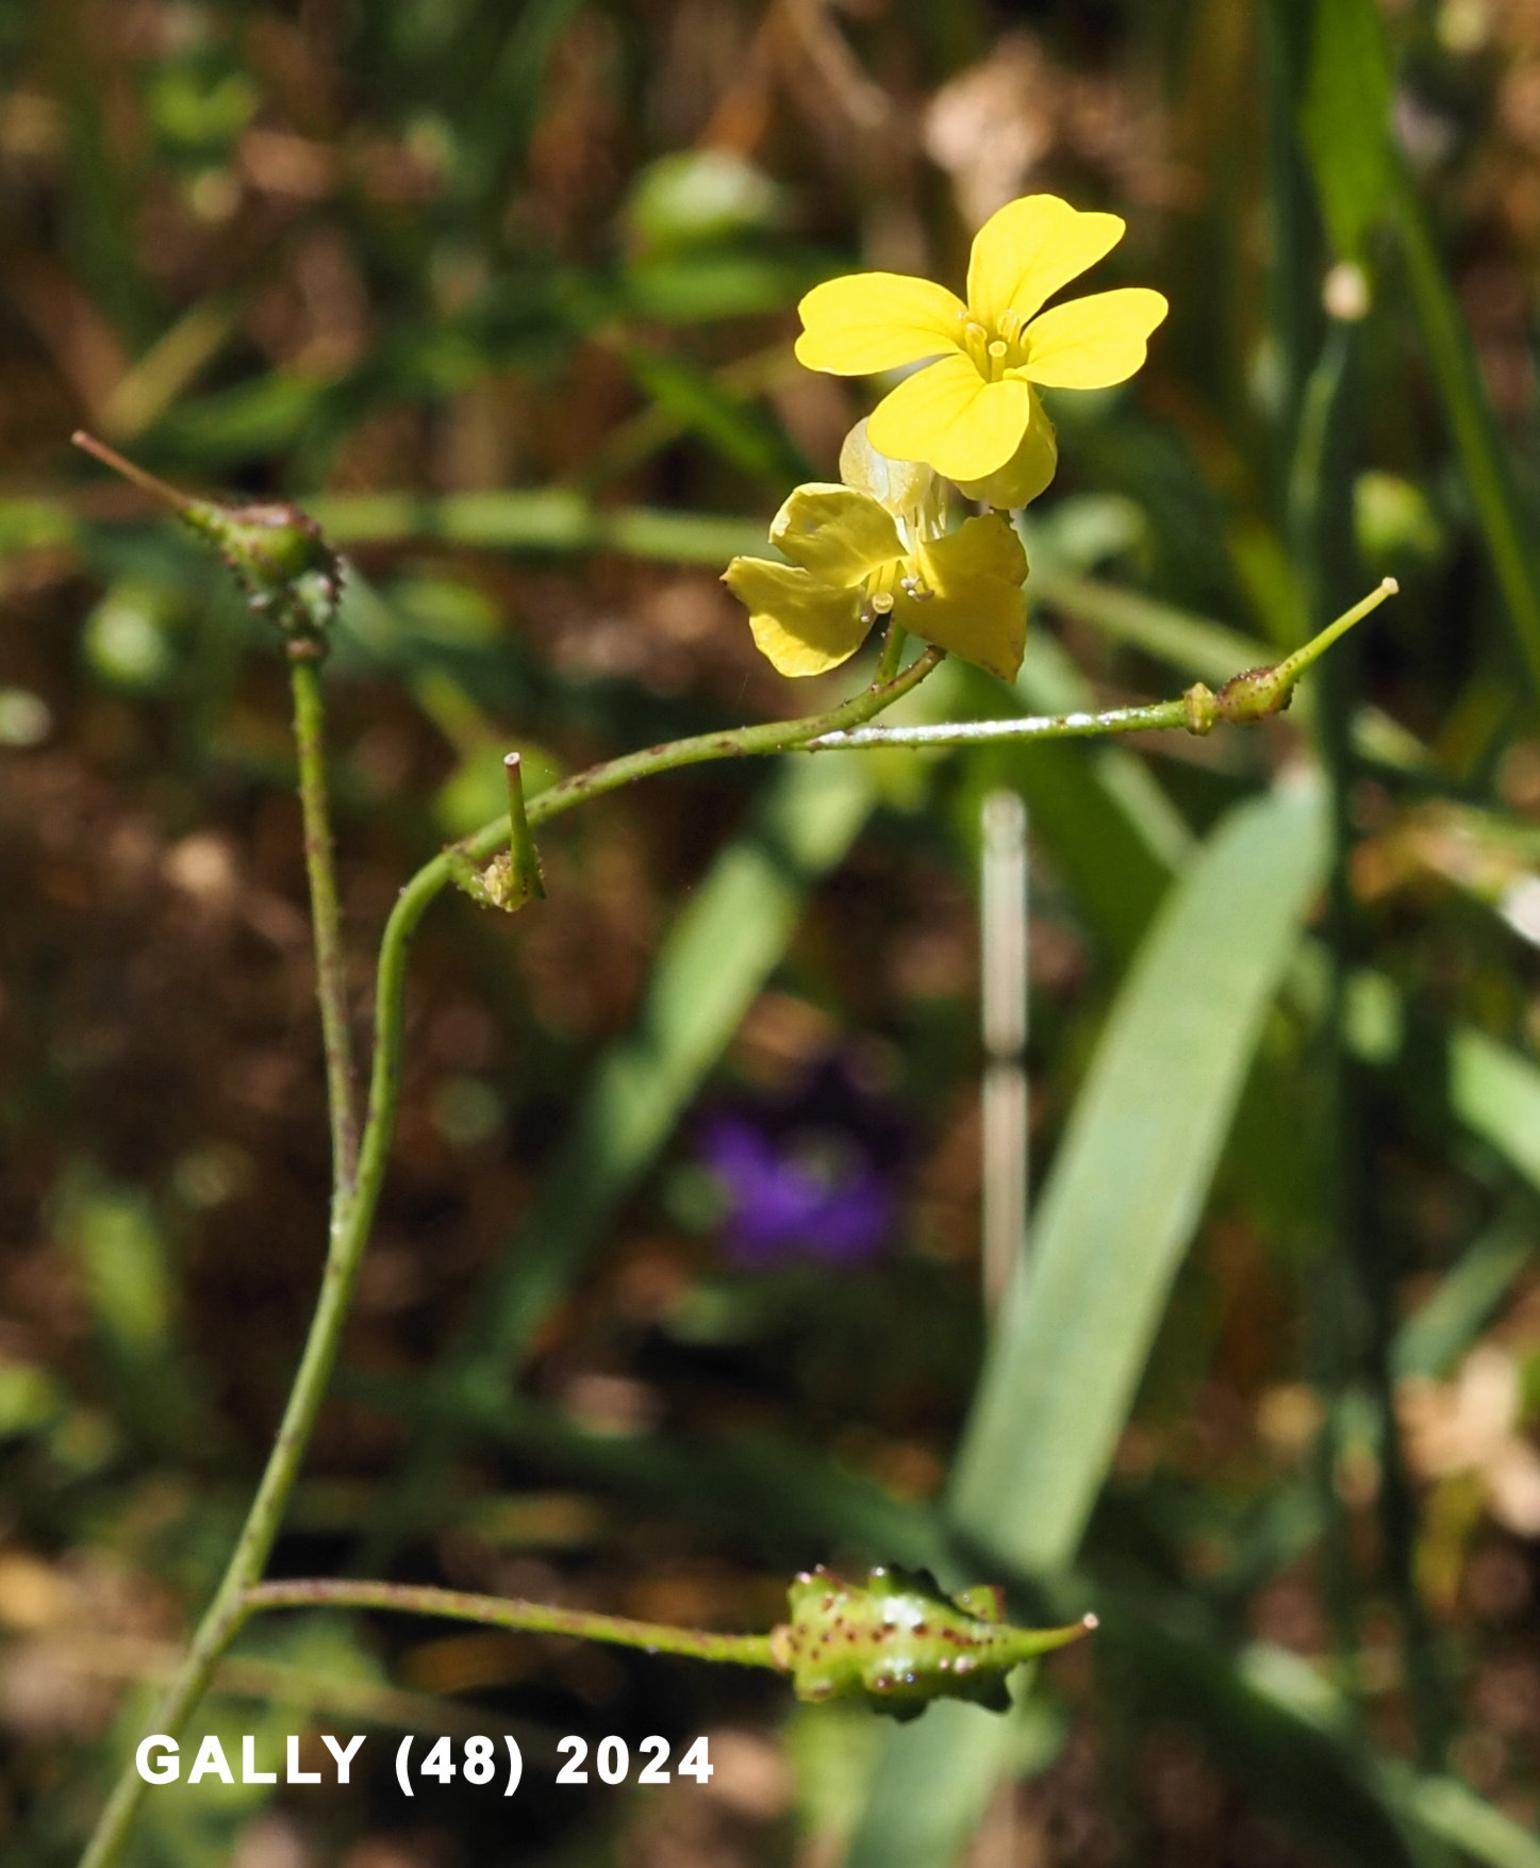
[
  {"x": 326, "y": 916},
  {"x": 524, "y": 861},
  {"x": 353, "y": 1217},
  {"x": 743, "y": 1650},
  {"x": 892, "y": 655},
  {"x": 744, "y": 742},
  {"x": 1249, "y": 696},
  {"x": 1151, "y": 717},
  {"x": 224, "y": 1615}
]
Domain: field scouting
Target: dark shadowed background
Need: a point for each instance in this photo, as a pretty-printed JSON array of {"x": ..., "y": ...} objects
[{"x": 677, "y": 1285}]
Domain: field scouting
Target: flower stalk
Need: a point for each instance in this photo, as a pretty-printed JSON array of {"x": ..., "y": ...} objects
[
  {"x": 523, "y": 858},
  {"x": 291, "y": 574},
  {"x": 513, "y": 1614},
  {"x": 1244, "y": 700},
  {"x": 326, "y": 916}
]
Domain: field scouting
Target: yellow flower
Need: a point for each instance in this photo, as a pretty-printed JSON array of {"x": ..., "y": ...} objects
[
  {"x": 969, "y": 412},
  {"x": 851, "y": 563}
]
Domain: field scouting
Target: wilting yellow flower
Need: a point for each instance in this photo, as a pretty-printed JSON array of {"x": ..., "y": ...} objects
[
  {"x": 851, "y": 563},
  {"x": 969, "y": 412}
]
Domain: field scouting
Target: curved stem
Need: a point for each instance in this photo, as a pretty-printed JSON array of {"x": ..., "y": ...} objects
[
  {"x": 326, "y": 916},
  {"x": 1250, "y": 696},
  {"x": 744, "y": 742},
  {"x": 353, "y": 1215},
  {"x": 743, "y": 1650}
]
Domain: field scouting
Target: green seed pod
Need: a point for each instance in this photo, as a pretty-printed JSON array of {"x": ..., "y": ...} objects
[
  {"x": 276, "y": 553},
  {"x": 278, "y": 556},
  {"x": 898, "y": 1642}
]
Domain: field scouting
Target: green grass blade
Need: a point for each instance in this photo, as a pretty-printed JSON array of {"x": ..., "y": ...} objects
[
  {"x": 1507, "y": 526},
  {"x": 1345, "y": 118},
  {"x": 1491, "y": 1091},
  {"x": 1125, "y": 1196},
  {"x": 1128, "y": 1187},
  {"x": 1440, "y": 1330}
]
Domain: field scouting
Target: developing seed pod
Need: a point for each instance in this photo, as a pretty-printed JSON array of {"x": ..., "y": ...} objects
[
  {"x": 280, "y": 559},
  {"x": 898, "y": 1642},
  {"x": 275, "y": 552}
]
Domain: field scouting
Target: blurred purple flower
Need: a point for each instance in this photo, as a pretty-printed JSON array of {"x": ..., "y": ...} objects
[{"x": 813, "y": 1174}]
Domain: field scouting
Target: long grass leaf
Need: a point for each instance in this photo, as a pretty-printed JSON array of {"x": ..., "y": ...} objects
[
  {"x": 1123, "y": 1202},
  {"x": 1128, "y": 1187}
]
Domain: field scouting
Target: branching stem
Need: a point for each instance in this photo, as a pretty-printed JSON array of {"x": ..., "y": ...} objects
[
  {"x": 1250, "y": 696},
  {"x": 353, "y": 1214}
]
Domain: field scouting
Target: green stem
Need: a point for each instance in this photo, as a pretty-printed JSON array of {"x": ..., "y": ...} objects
[
  {"x": 744, "y": 742},
  {"x": 224, "y": 1615},
  {"x": 1248, "y": 697},
  {"x": 349, "y": 1230},
  {"x": 1154, "y": 716},
  {"x": 892, "y": 650},
  {"x": 509, "y": 1612},
  {"x": 353, "y": 1217},
  {"x": 1262, "y": 691},
  {"x": 326, "y": 915},
  {"x": 523, "y": 858}
]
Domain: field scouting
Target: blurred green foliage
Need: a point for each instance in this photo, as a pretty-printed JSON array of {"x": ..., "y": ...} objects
[{"x": 504, "y": 294}]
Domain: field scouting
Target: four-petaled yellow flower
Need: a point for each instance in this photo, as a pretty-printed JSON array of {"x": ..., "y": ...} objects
[
  {"x": 851, "y": 563},
  {"x": 968, "y": 412}
]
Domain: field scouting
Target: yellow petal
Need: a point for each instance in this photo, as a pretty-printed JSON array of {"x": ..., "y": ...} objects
[
  {"x": 835, "y": 533},
  {"x": 801, "y": 626},
  {"x": 877, "y": 321},
  {"x": 902, "y": 486},
  {"x": 1030, "y": 249},
  {"x": 976, "y": 608},
  {"x": 949, "y": 416},
  {"x": 1092, "y": 343},
  {"x": 1028, "y": 471}
]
